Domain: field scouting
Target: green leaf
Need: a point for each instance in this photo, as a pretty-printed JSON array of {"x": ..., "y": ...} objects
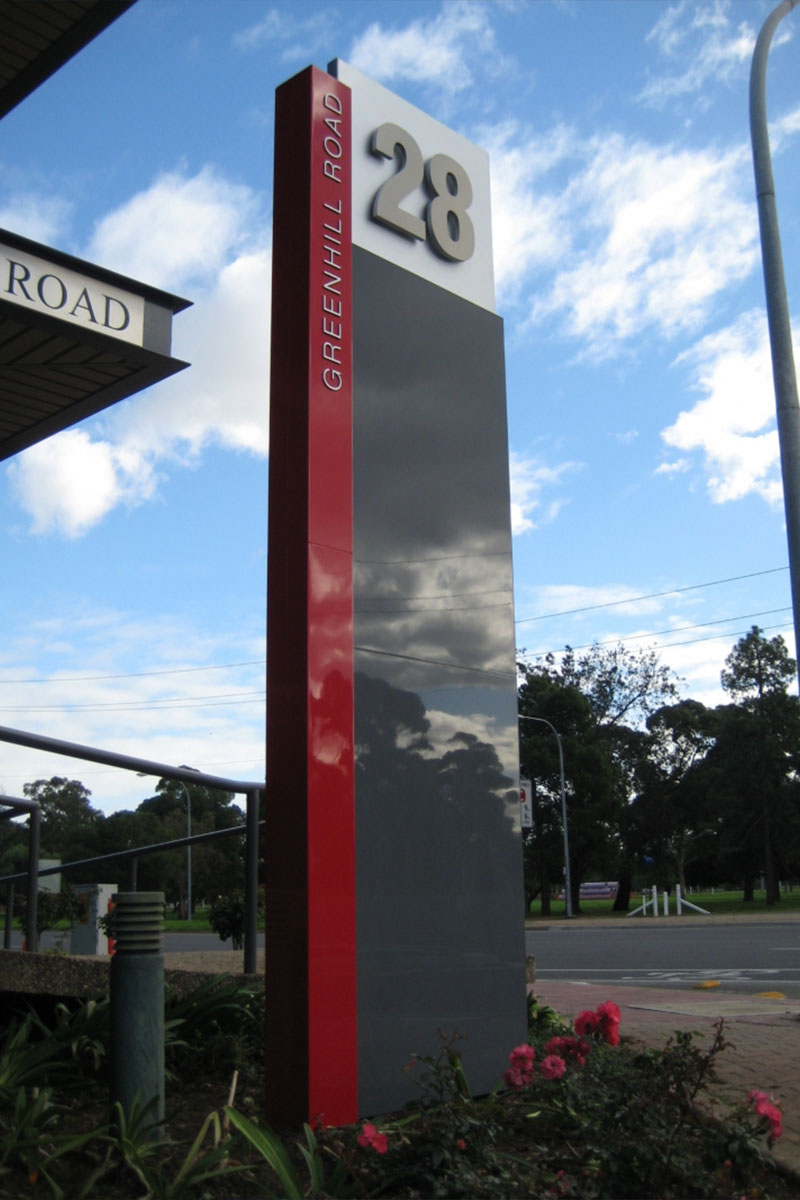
[{"x": 272, "y": 1151}]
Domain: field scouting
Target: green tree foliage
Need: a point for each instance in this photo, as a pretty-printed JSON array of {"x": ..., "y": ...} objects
[
  {"x": 671, "y": 820},
  {"x": 73, "y": 830},
  {"x": 752, "y": 769},
  {"x": 757, "y": 668},
  {"x": 70, "y": 826},
  {"x": 13, "y": 845},
  {"x": 217, "y": 868},
  {"x": 622, "y": 686},
  {"x": 598, "y": 702},
  {"x": 123, "y": 830},
  {"x": 590, "y": 801}
]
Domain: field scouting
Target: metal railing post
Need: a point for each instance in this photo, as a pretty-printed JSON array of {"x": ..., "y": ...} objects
[
  {"x": 9, "y": 916},
  {"x": 31, "y": 930},
  {"x": 251, "y": 882}
]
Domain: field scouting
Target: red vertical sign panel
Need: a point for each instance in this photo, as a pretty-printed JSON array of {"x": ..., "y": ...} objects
[{"x": 311, "y": 1066}]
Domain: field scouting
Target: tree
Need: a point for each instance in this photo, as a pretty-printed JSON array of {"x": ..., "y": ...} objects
[
  {"x": 70, "y": 826},
  {"x": 622, "y": 686},
  {"x": 590, "y": 798},
  {"x": 757, "y": 751},
  {"x": 597, "y": 701},
  {"x": 671, "y": 819},
  {"x": 758, "y": 667},
  {"x": 218, "y": 867},
  {"x": 124, "y": 830}
]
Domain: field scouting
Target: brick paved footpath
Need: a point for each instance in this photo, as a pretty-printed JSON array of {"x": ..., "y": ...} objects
[{"x": 763, "y": 1037}]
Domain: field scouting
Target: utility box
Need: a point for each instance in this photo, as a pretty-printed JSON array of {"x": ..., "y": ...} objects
[{"x": 86, "y": 936}]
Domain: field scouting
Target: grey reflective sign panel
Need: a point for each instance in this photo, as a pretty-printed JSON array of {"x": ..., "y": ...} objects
[{"x": 438, "y": 855}]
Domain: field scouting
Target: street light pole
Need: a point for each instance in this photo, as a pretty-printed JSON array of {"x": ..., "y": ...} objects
[
  {"x": 567, "y": 875},
  {"x": 780, "y": 330}
]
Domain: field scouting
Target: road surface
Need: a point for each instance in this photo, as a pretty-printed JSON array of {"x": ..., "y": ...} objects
[{"x": 747, "y": 957}]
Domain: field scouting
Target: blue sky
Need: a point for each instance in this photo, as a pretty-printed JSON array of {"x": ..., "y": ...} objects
[{"x": 646, "y": 488}]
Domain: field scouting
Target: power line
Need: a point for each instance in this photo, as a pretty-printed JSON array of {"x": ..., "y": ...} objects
[
  {"x": 637, "y": 637},
  {"x": 117, "y": 706},
  {"x": 412, "y": 612},
  {"x": 255, "y": 662},
  {"x": 693, "y": 587},
  {"x": 715, "y": 637},
  {"x": 436, "y": 662},
  {"x": 391, "y": 562},
  {"x": 258, "y": 662}
]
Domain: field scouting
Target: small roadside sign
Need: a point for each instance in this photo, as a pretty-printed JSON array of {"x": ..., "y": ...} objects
[{"x": 526, "y": 803}]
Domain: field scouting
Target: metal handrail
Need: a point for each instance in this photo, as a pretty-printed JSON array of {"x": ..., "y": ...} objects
[
  {"x": 127, "y": 762},
  {"x": 131, "y": 852}
]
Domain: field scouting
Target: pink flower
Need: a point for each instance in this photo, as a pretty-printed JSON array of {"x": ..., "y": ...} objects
[
  {"x": 604, "y": 1022},
  {"x": 609, "y": 1016},
  {"x": 569, "y": 1048},
  {"x": 522, "y": 1056},
  {"x": 553, "y": 1067},
  {"x": 371, "y": 1139},
  {"x": 765, "y": 1108},
  {"x": 462, "y": 1145},
  {"x": 520, "y": 1069},
  {"x": 586, "y": 1022}
]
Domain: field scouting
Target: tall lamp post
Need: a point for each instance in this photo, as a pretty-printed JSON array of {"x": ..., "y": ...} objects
[
  {"x": 567, "y": 876},
  {"x": 780, "y": 331}
]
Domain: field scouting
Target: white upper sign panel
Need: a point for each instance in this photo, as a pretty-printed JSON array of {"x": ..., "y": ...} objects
[
  {"x": 420, "y": 191},
  {"x": 58, "y": 291}
]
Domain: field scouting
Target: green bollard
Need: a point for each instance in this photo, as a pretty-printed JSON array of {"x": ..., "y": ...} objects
[{"x": 137, "y": 1004}]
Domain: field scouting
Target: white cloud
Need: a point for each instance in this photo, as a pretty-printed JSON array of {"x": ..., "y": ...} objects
[
  {"x": 224, "y": 396},
  {"x": 662, "y": 231},
  {"x": 678, "y": 466},
  {"x": 708, "y": 48},
  {"x": 530, "y": 228},
  {"x": 783, "y": 128},
  {"x": 90, "y": 690},
  {"x": 626, "y": 438},
  {"x": 68, "y": 483},
  {"x": 41, "y": 218},
  {"x": 442, "y": 51},
  {"x": 273, "y": 25},
  {"x": 732, "y": 426},
  {"x": 529, "y": 481},
  {"x": 201, "y": 229},
  {"x": 298, "y": 37},
  {"x": 180, "y": 229},
  {"x": 566, "y": 598}
]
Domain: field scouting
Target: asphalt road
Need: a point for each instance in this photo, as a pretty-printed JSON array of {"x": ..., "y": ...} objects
[{"x": 747, "y": 958}]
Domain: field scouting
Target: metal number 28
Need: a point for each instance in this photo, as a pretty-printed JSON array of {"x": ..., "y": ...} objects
[{"x": 447, "y": 225}]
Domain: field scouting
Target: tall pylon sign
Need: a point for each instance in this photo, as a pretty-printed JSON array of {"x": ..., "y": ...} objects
[{"x": 393, "y": 864}]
